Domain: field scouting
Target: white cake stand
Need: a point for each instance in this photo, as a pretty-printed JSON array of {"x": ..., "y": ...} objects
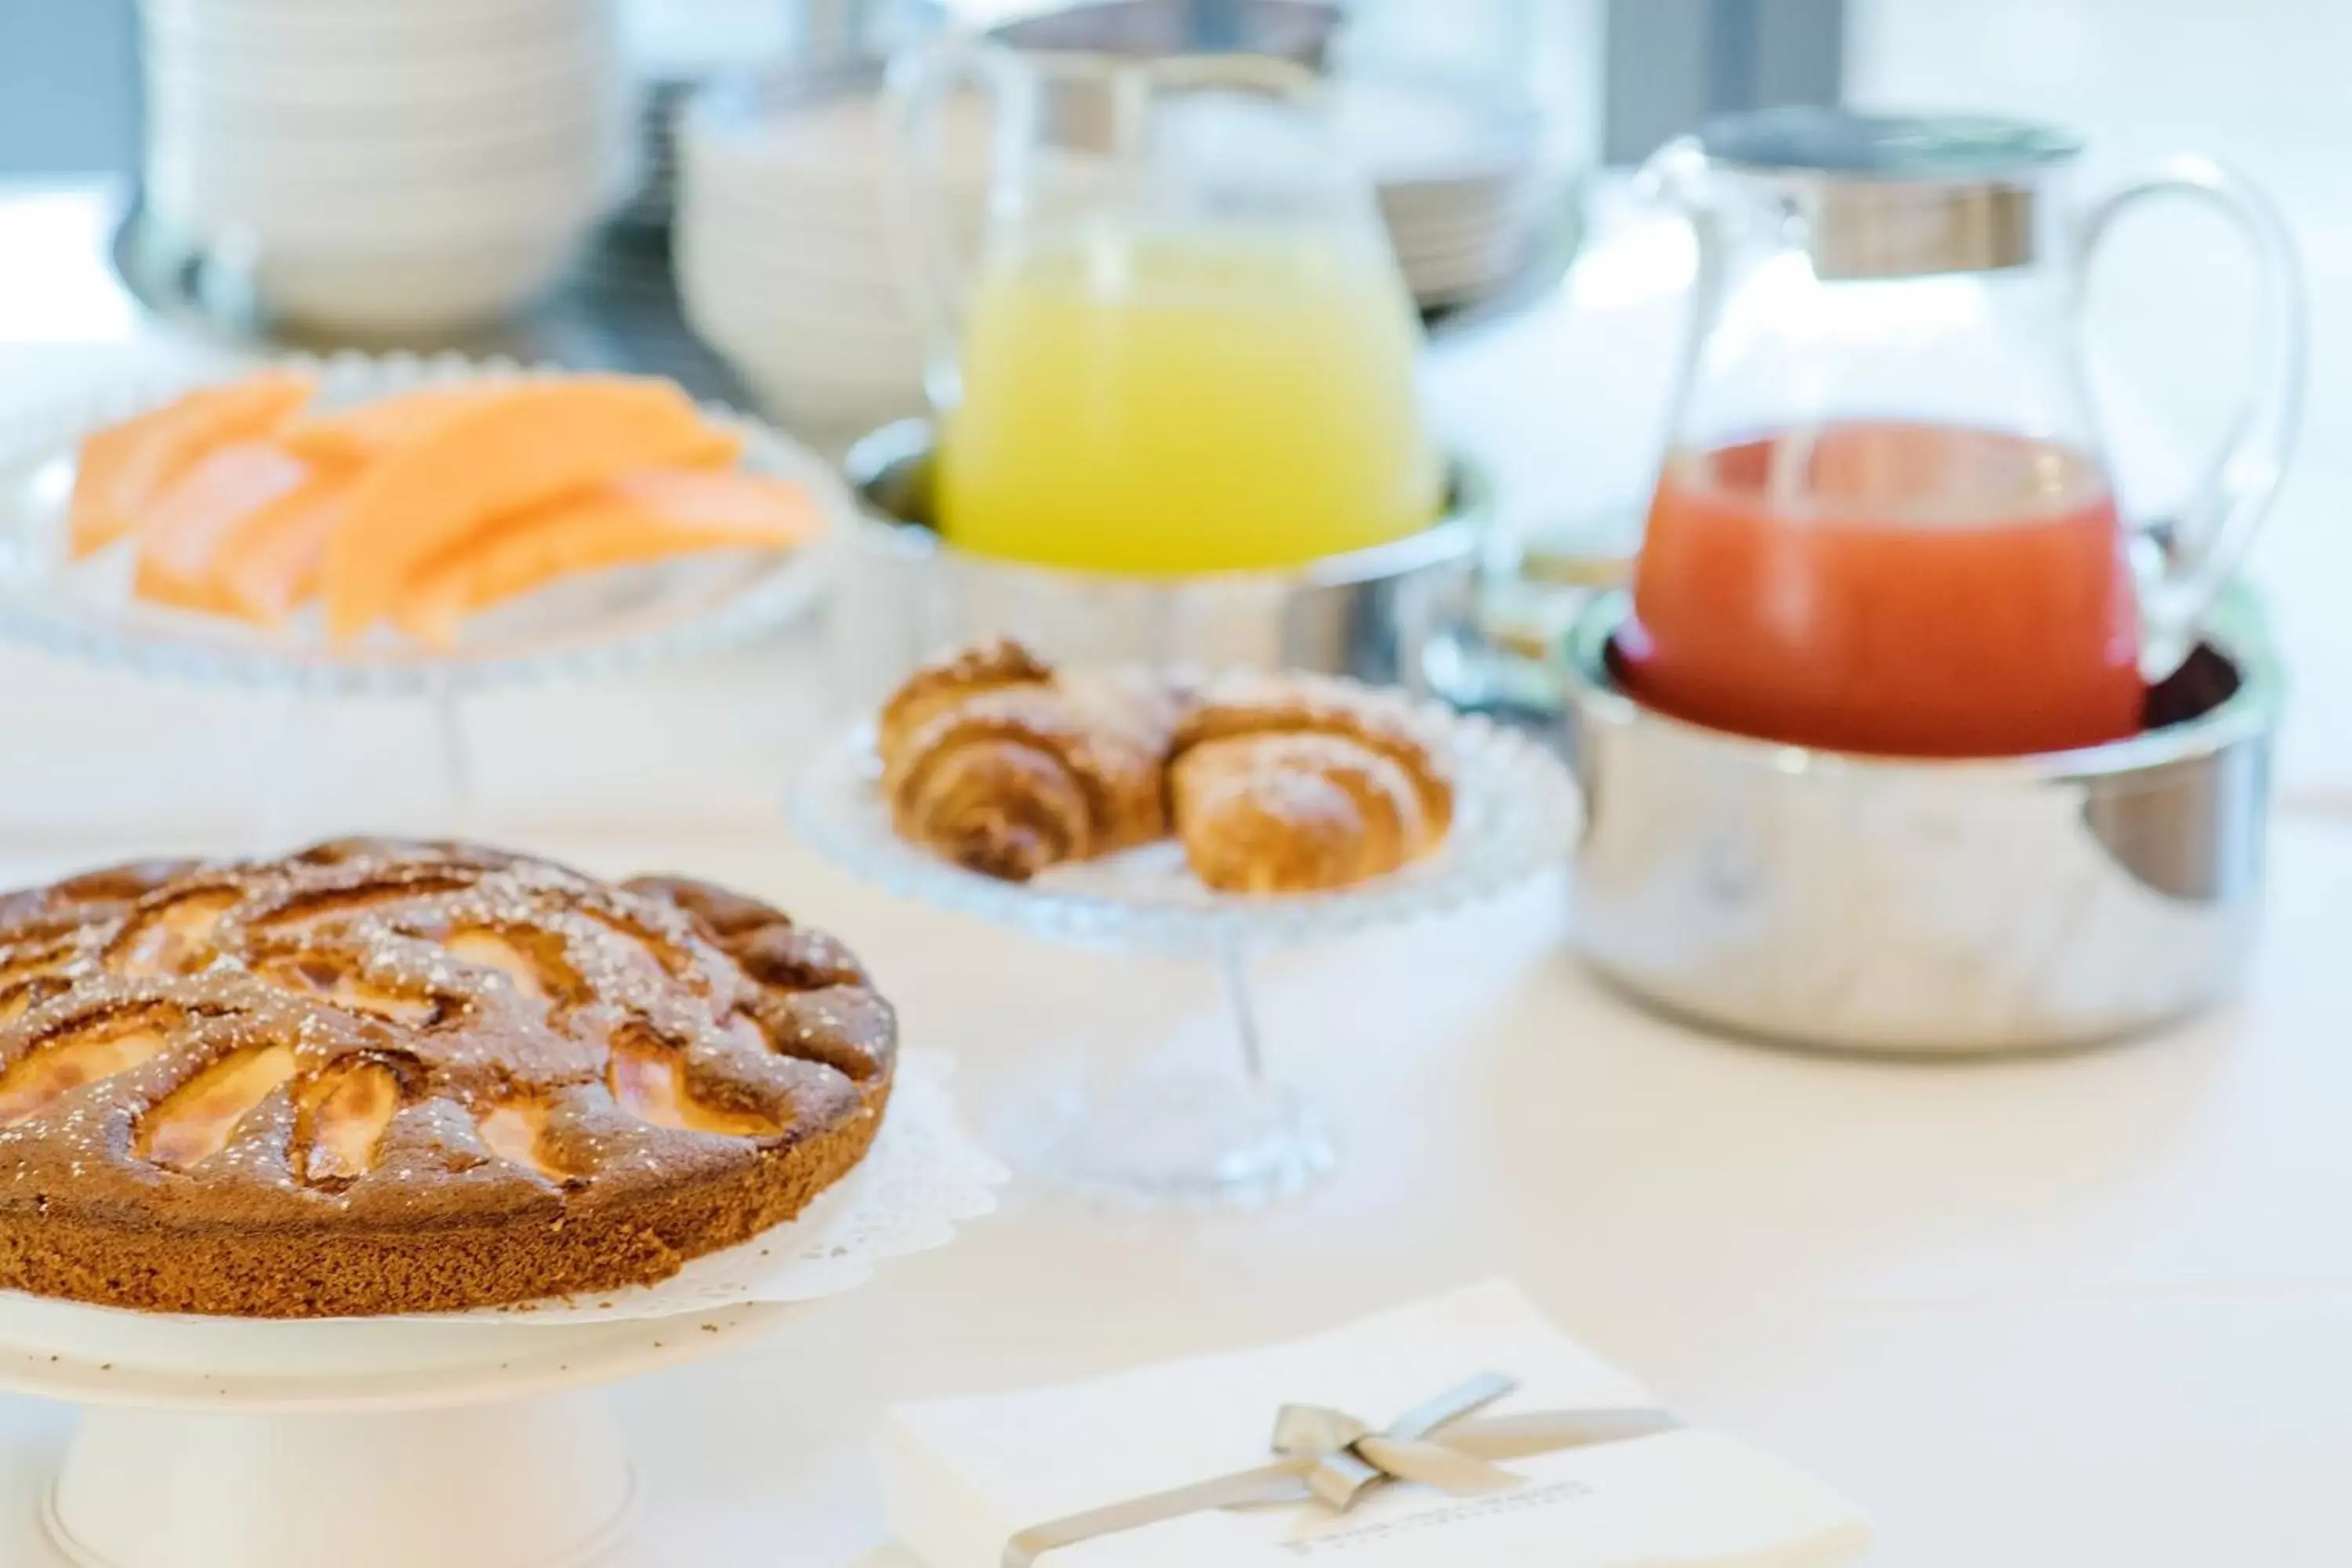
[
  {"x": 480, "y": 1441},
  {"x": 369, "y": 1444}
]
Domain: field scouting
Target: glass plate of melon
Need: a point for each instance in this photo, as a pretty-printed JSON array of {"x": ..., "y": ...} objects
[{"x": 402, "y": 525}]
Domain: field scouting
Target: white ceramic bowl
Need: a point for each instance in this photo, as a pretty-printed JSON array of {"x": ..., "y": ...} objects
[
  {"x": 364, "y": 174},
  {"x": 463, "y": 14},
  {"x": 830, "y": 412},
  {"x": 782, "y": 253},
  {"x": 419, "y": 175},
  {"x": 869, "y": 291},
  {"x": 394, "y": 85},
  {"x": 817, "y": 145},
  {"x": 381, "y": 291},
  {"x": 804, "y": 378},
  {"x": 563, "y": 128},
  {"x": 208, "y": 203},
  {"x": 873, "y": 321},
  {"x": 769, "y": 210},
  {"x": 196, "y": 97},
  {"x": 349, "y": 144},
  {"x": 847, "y": 338},
  {"x": 855, "y": 279},
  {"x": 735, "y": 216},
  {"x": 407, "y": 26},
  {"x": 873, "y": 308},
  {"x": 786, "y": 351},
  {"x": 780, "y": 365}
]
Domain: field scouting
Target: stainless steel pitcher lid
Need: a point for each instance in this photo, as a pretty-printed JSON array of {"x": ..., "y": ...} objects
[{"x": 1901, "y": 195}]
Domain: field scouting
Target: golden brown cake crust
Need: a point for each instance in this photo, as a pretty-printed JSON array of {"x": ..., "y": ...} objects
[{"x": 384, "y": 1077}]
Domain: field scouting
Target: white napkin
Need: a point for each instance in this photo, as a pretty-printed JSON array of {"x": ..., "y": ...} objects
[{"x": 961, "y": 1477}]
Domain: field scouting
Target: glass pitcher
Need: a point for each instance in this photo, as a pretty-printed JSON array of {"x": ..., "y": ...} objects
[
  {"x": 1184, "y": 344},
  {"x": 1884, "y": 522}
]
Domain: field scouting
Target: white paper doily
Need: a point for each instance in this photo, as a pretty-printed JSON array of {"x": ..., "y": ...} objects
[{"x": 923, "y": 1174}]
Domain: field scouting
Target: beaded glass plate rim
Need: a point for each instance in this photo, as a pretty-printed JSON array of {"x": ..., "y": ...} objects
[
  {"x": 1517, "y": 814},
  {"x": 795, "y": 584}
]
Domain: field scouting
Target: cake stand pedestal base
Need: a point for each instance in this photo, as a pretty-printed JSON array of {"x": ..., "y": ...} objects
[
  {"x": 1187, "y": 1134},
  {"x": 365, "y": 1443},
  {"x": 527, "y": 1483},
  {"x": 1198, "y": 1139}
]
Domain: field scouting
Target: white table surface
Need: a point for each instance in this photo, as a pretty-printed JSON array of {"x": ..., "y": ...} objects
[{"x": 2076, "y": 1311}]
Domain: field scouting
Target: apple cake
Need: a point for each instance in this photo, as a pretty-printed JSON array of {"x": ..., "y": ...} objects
[{"x": 383, "y": 1077}]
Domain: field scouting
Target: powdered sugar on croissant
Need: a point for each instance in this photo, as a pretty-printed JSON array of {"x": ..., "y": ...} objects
[{"x": 1297, "y": 783}]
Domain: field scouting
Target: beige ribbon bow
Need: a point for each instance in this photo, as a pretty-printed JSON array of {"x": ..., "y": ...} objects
[{"x": 1330, "y": 1459}]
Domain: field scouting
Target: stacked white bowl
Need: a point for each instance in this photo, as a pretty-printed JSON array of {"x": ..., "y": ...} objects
[
  {"x": 1464, "y": 186},
  {"x": 782, "y": 249},
  {"x": 387, "y": 166}
]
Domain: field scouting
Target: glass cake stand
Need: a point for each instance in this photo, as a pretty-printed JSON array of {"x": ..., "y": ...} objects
[
  {"x": 1192, "y": 1135},
  {"x": 596, "y": 627}
]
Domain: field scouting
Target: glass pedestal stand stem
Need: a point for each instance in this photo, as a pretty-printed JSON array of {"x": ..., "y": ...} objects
[
  {"x": 456, "y": 807},
  {"x": 1193, "y": 1134},
  {"x": 1233, "y": 964},
  {"x": 285, "y": 813},
  {"x": 281, "y": 790}
]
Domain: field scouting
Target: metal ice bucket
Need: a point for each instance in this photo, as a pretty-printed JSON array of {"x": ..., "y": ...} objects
[
  {"x": 904, "y": 595},
  {"x": 1914, "y": 907}
]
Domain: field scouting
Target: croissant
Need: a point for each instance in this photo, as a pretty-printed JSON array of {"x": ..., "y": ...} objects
[
  {"x": 995, "y": 761},
  {"x": 1295, "y": 784}
]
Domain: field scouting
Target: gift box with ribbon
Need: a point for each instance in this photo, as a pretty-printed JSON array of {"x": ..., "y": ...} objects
[{"x": 1465, "y": 1429}]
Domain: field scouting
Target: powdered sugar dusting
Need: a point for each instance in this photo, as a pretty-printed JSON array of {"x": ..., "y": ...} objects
[{"x": 478, "y": 980}]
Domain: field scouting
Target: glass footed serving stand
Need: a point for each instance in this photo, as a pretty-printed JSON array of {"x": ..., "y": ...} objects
[
  {"x": 1190, "y": 1134},
  {"x": 591, "y": 627}
]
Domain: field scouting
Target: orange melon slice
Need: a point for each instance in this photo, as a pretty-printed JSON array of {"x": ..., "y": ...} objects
[
  {"x": 526, "y": 443},
  {"x": 180, "y": 534},
  {"x": 271, "y": 568},
  {"x": 719, "y": 447},
  {"x": 367, "y": 430},
  {"x": 125, "y": 467},
  {"x": 182, "y": 594},
  {"x": 634, "y": 519}
]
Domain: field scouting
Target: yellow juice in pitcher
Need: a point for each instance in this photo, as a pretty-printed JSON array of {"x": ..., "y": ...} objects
[{"x": 1204, "y": 400}]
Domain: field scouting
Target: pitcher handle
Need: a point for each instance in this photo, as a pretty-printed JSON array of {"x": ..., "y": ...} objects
[
  {"x": 933, "y": 275},
  {"x": 1673, "y": 179},
  {"x": 2185, "y": 560}
]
